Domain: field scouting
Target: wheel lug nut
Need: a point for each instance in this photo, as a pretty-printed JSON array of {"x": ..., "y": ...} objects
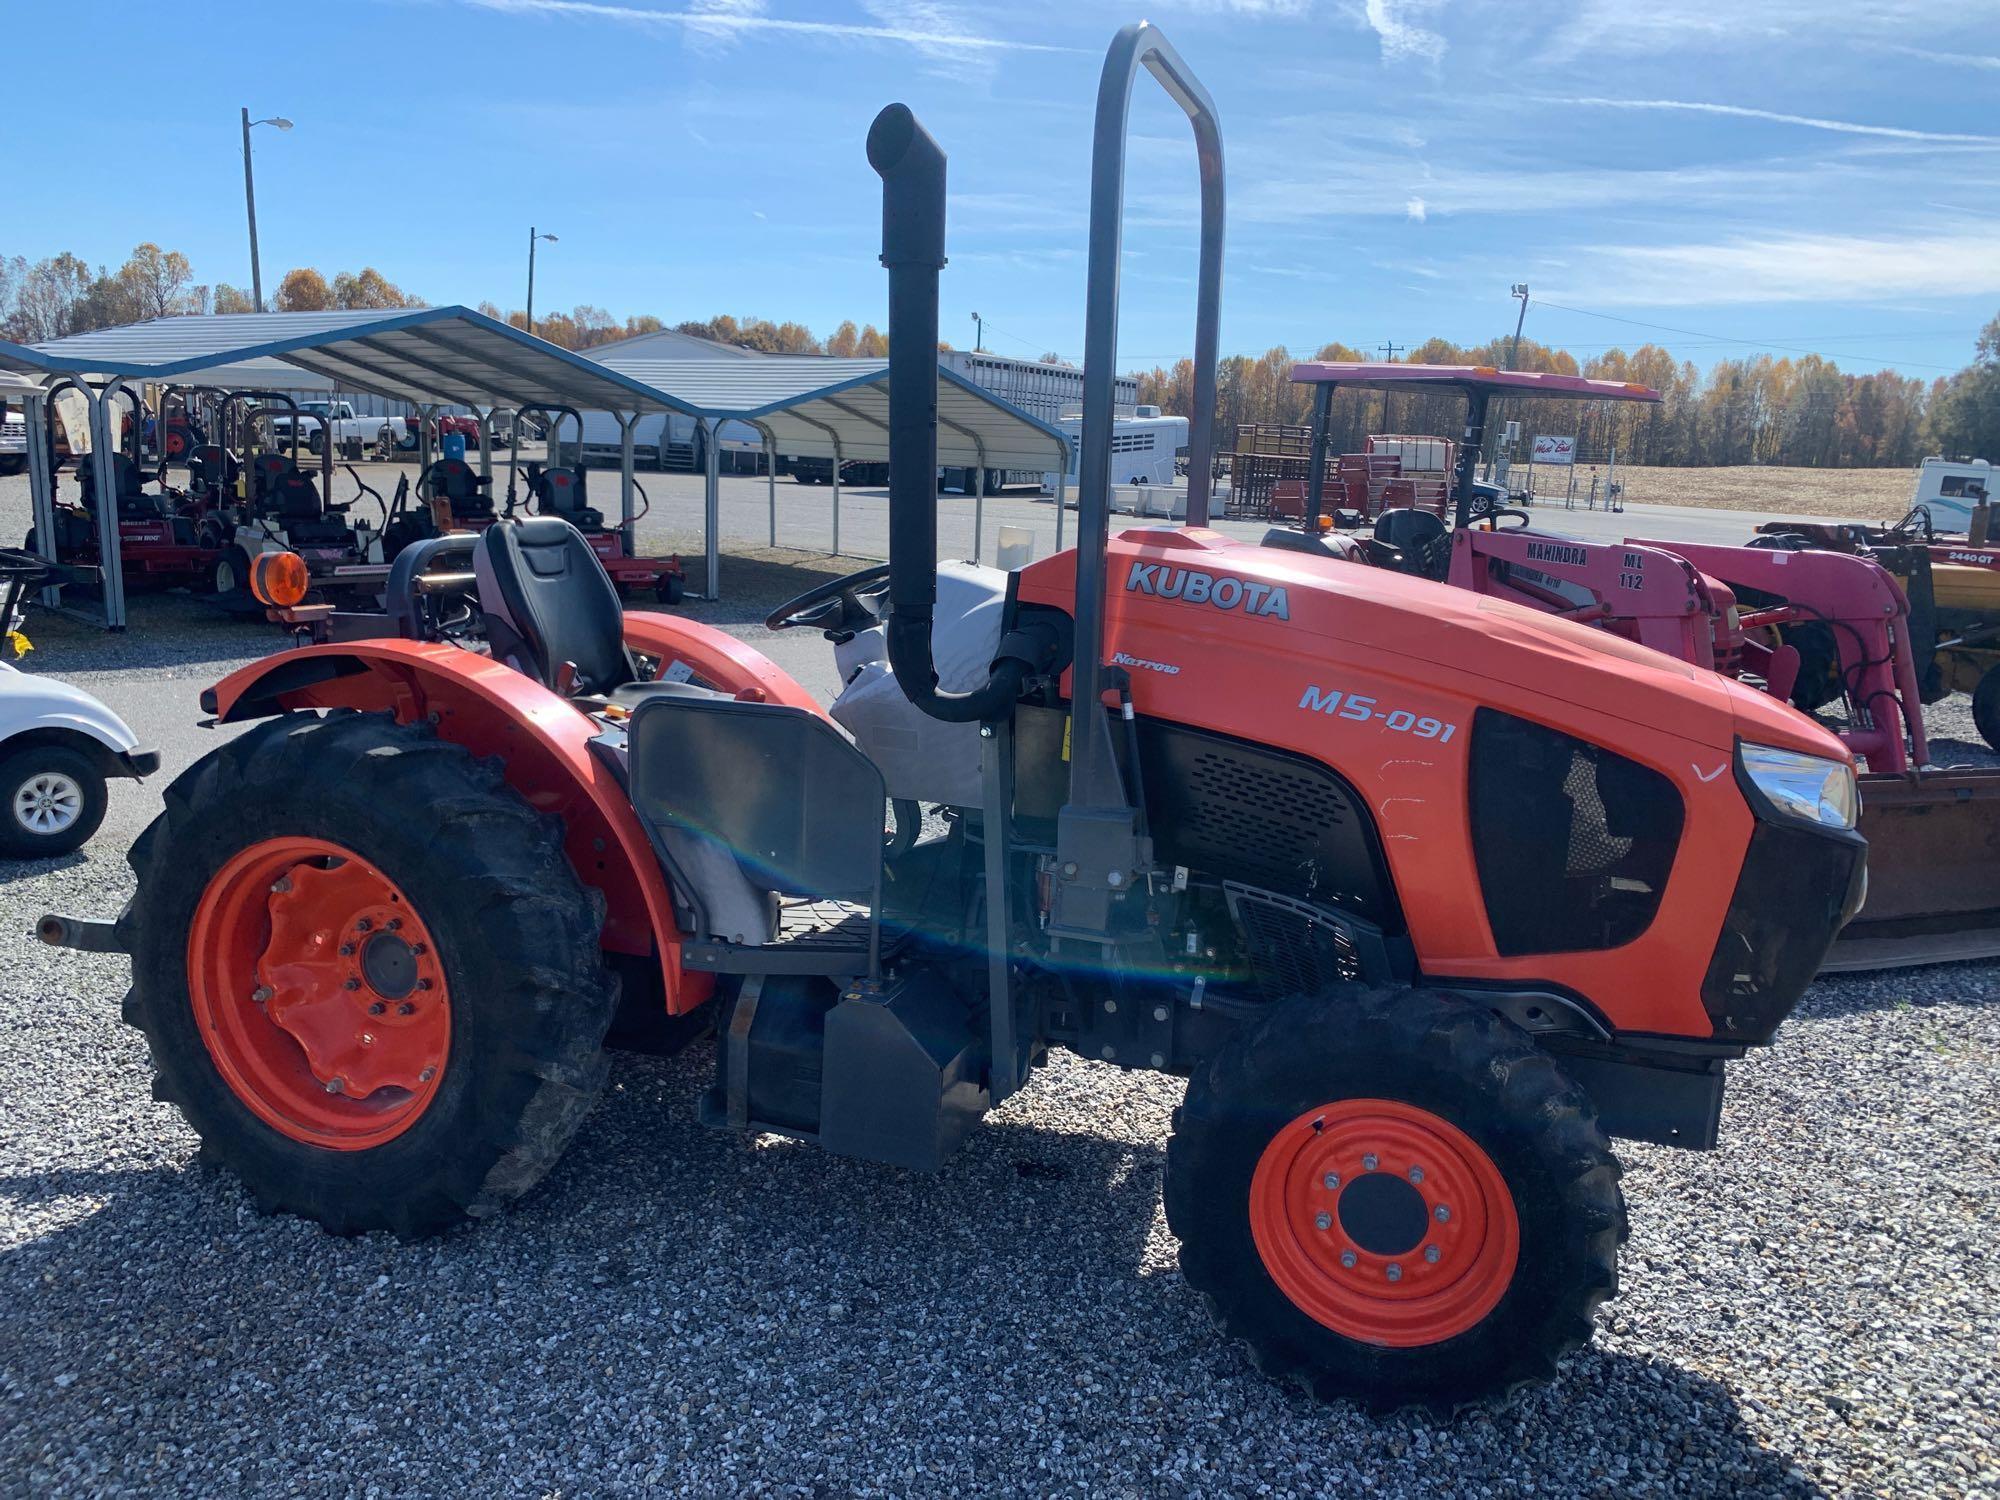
[
  {"x": 282, "y": 884},
  {"x": 394, "y": 924},
  {"x": 1395, "y": 1272},
  {"x": 406, "y": 1009},
  {"x": 352, "y": 984},
  {"x": 364, "y": 925},
  {"x": 419, "y": 949},
  {"x": 1443, "y": 1214},
  {"x": 347, "y": 950},
  {"x": 423, "y": 984},
  {"x": 1323, "y": 1221},
  {"x": 335, "y": 1085},
  {"x": 1416, "y": 1174},
  {"x": 1332, "y": 1181},
  {"x": 1431, "y": 1253},
  {"x": 261, "y": 994},
  {"x": 1347, "y": 1259},
  {"x": 427, "y": 1075},
  {"x": 1369, "y": 1162},
  {"x": 376, "y": 1008}
]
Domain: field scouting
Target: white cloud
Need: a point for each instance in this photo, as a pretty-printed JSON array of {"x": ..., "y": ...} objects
[
  {"x": 1744, "y": 112},
  {"x": 1415, "y": 209},
  {"x": 1950, "y": 59},
  {"x": 1609, "y": 28},
  {"x": 743, "y": 21},
  {"x": 1403, "y": 39},
  {"x": 1789, "y": 268}
]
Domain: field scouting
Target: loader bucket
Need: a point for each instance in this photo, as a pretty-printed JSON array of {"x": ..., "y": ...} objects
[{"x": 1933, "y": 872}]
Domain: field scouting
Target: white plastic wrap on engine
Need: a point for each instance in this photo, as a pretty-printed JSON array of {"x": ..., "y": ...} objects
[{"x": 920, "y": 757}]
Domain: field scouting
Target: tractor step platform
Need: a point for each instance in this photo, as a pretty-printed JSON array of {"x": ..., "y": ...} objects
[{"x": 814, "y": 937}]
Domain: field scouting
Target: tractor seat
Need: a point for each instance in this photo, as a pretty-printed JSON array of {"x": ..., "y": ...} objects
[
  {"x": 560, "y": 492},
  {"x": 1407, "y": 529},
  {"x": 550, "y": 607},
  {"x": 453, "y": 479},
  {"x": 128, "y": 487}
]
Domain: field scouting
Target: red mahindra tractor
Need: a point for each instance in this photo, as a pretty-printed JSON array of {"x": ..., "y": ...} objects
[
  {"x": 1843, "y": 631},
  {"x": 1425, "y": 895}
]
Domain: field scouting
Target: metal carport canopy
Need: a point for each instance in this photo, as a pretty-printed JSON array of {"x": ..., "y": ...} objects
[
  {"x": 429, "y": 356},
  {"x": 435, "y": 355},
  {"x": 803, "y": 401}
]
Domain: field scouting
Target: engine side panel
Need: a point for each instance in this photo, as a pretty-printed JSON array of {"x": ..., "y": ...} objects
[{"x": 1378, "y": 677}]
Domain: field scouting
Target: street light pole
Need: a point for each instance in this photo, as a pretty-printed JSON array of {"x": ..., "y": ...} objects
[
  {"x": 250, "y": 202},
  {"x": 532, "y": 237},
  {"x": 1520, "y": 289},
  {"x": 978, "y": 334}
]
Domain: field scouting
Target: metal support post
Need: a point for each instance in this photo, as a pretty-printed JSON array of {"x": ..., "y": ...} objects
[
  {"x": 996, "y": 754},
  {"x": 104, "y": 443},
  {"x": 712, "y": 510},
  {"x": 627, "y": 478},
  {"x": 836, "y": 494},
  {"x": 42, "y": 487}
]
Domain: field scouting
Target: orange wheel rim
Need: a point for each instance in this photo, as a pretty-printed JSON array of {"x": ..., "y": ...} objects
[
  {"x": 319, "y": 993},
  {"x": 1384, "y": 1222}
]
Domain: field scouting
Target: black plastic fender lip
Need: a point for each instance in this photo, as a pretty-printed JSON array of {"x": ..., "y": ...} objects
[
  {"x": 80, "y": 934},
  {"x": 141, "y": 762}
]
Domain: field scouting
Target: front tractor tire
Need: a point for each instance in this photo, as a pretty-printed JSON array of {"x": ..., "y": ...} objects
[
  {"x": 1395, "y": 1197},
  {"x": 368, "y": 976}
]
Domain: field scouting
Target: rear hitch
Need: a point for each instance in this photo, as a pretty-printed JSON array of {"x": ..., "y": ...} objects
[{"x": 82, "y": 934}]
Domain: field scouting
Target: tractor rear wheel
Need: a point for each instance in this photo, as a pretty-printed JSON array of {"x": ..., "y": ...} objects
[
  {"x": 1394, "y": 1196},
  {"x": 368, "y": 975},
  {"x": 1986, "y": 707}
]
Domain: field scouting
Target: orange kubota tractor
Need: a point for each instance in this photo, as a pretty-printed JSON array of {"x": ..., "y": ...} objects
[{"x": 1426, "y": 895}]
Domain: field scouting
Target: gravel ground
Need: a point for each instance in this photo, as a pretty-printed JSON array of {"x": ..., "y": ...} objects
[{"x": 1809, "y": 1309}]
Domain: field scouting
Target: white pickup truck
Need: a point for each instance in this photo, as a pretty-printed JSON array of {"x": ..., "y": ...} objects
[
  {"x": 14, "y": 397},
  {"x": 314, "y": 418}
]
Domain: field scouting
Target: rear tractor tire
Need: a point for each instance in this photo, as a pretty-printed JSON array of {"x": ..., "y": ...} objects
[
  {"x": 1986, "y": 707},
  {"x": 1395, "y": 1197},
  {"x": 368, "y": 976}
]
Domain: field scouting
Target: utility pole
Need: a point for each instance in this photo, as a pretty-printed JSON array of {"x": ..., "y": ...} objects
[
  {"x": 978, "y": 334},
  {"x": 532, "y": 237},
  {"x": 1390, "y": 351},
  {"x": 250, "y": 202},
  {"x": 1495, "y": 430},
  {"x": 1520, "y": 289}
]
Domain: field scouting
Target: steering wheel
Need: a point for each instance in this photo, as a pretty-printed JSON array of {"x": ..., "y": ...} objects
[
  {"x": 846, "y": 604},
  {"x": 1493, "y": 517}
]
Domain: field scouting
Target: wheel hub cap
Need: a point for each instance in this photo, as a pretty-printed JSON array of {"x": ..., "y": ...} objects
[
  {"x": 320, "y": 993},
  {"x": 1384, "y": 1222},
  {"x": 48, "y": 803}
]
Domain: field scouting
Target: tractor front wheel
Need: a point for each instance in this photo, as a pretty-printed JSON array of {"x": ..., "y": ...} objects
[
  {"x": 368, "y": 976},
  {"x": 1394, "y": 1196}
]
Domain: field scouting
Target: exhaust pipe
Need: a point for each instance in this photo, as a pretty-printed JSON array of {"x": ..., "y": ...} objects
[{"x": 912, "y": 168}]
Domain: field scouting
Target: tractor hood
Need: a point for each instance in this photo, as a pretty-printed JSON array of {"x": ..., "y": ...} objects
[{"x": 1231, "y": 592}]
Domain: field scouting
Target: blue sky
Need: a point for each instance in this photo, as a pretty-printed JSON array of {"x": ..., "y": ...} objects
[{"x": 1815, "y": 175}]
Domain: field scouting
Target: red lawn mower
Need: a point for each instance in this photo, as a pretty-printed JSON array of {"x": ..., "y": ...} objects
[
  {"x": 556, "y": 490},
  {"x": 164, "y": 537}
]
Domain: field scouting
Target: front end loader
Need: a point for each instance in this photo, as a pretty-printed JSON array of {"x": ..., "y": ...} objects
[{"x": 1426, "y": 896}]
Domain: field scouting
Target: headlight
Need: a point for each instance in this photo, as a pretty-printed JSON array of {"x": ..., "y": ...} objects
[{"x": 1807, "y": 787}]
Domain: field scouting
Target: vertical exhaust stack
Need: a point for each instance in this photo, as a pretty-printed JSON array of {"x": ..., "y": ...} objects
[{"x": 912, "y": 168}]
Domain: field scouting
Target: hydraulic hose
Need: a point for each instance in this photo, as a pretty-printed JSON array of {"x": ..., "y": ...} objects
[{"x": 912, "y": 168}]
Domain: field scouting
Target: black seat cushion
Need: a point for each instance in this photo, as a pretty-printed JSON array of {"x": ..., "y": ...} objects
[
  {"x": 562, "y": 492},
  {"x": 548, "y": 601},
  {"x": 470, "y": 495},
  {"x": 1407, "y": 528}
]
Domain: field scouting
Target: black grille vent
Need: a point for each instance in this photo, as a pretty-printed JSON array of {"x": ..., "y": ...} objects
[
  {"x": 1264, "y": 818},
  {"x": 1294, "y": 948},
  {"x": 1573, "y": 842}
]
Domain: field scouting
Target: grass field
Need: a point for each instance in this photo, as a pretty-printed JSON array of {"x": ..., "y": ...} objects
[{"x": 1845, "y": 494}]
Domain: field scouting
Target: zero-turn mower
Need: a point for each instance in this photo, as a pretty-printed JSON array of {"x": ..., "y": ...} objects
[{"x": 1426, "y": 895}]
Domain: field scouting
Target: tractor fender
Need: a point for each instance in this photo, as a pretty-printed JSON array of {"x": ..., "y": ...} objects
[
  {"x": 715, "y": 656},
  {"x": 542, "y": 742}
]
